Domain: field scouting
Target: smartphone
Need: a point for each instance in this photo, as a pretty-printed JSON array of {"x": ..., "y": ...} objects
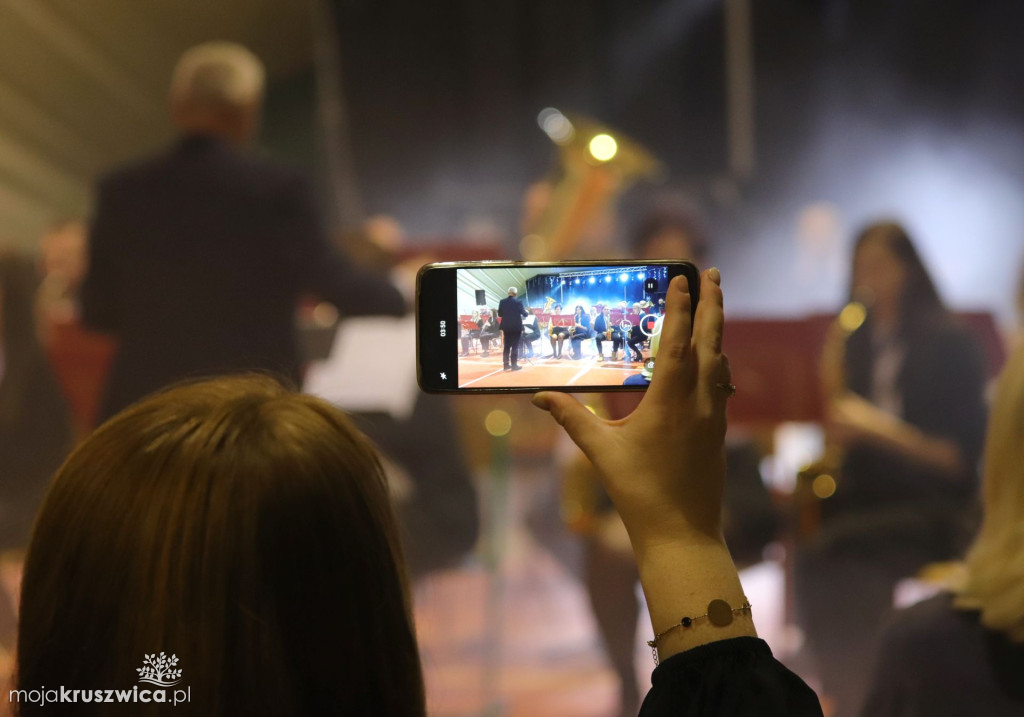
[{"x": 521, "y": 327}]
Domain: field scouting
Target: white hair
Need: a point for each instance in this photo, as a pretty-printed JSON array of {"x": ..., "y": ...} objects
[
  {"x": 513, "y": 290},
  {"x": 217, "y": 76}
]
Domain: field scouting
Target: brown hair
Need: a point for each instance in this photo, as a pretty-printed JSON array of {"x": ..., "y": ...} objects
[
  {"x": 243, "y": 528},
  {"x": 920, "y": 303}
]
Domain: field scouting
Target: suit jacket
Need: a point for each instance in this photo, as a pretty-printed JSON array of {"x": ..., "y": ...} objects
[
  {"x": 197, "y": 259},
  {"x": 512, "y": 312}
]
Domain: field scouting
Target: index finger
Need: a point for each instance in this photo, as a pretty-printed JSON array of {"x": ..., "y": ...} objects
[{"x": 674, "y": 342}]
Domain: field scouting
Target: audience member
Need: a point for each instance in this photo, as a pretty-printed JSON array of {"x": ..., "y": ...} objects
[
  {"x": 905, "y": 398},
  {"x": 961, "y": 653},
  {"x": 248, "y": 531},
  {"x": 35, "y": 426},
  {"x": 199, "y": 255}
]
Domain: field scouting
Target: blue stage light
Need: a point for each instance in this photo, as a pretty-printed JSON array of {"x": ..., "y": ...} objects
[
  {"x": 624, "y": 277},
  {"x": 640, "y": 277},
  {"x": 592, "y": 280},
  {"x": 607, "y": 279}
]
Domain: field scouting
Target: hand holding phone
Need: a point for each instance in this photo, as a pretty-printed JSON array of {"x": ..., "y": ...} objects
[{"x": 519, "y": 327}]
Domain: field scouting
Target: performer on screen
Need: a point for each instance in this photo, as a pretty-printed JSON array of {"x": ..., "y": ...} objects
[
  {"x": 557, "y": 333},
  {"x": 580, "y": 331},
  {"x": 512, "y": 313},
  {"x": 488, "y": 332},
  {"x": 468, "y": 335},
  {"x": 605, "y": 330},
  {"x": 531, "y": 332},
  {"x": 637, "y": 337}
]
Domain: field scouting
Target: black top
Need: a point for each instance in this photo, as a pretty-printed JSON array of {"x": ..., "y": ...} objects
[
  {"x": 197, "y": 259},
  {"x": 512, "y": 312},
  {"x": 730, "y": 678},
  {"x": 937, "y": 661},
  {"x": 941, "y": 383}
]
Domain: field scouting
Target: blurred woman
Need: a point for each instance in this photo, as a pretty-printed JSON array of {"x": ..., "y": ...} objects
[
  {"x": 35, "y": 426},
  {"x": 962, "y": 652},
  {"x": 906, "y": 409}
]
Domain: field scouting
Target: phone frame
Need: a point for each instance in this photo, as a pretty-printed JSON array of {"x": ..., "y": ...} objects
[{"x": 436, "y": 298}]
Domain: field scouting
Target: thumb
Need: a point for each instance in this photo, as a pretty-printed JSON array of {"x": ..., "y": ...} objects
[{"x": 577, "y": 420}]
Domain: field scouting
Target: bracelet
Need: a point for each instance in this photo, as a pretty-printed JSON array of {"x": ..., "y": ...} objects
[{"x": 720, "y": 613}]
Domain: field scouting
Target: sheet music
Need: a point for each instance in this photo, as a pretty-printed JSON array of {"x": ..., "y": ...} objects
[{"x": 371, "y": 367}]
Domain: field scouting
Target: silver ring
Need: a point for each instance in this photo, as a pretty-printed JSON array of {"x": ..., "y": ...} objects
[{"x": 728, "y": 388}]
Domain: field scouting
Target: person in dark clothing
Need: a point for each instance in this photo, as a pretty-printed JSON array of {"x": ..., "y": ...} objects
[
  {"x": 35, "y": 422},
  {"x": 160, "y": 486},
  {"x": 580, "y": 331},
  {"x": 604, "y": 330},
  {"x": 511, "y": 312},
  {"x": 906, "y": 408},
  {"x": 199, "y": 255},
  {"x": 961, "y": 653},
  {"x": 488, "y": 333}
]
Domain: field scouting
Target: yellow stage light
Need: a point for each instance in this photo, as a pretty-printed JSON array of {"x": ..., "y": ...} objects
[{"x": 603, "y": 147}]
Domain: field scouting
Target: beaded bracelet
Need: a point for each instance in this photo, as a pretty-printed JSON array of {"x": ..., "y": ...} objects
[{"x": 719, "y": 613}]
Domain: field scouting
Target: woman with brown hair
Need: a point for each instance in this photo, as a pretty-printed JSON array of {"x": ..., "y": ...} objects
[
  {"x": 907, "y": 412},
  {"x": 247, "y": 532},
  {"x": 243, "y": 528}
]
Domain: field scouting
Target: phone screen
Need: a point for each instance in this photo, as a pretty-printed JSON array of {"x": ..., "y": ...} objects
[{"x": 491, "y": 327}]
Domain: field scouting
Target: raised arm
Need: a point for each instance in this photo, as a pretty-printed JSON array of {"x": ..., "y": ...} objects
[{"x": 672, "y": 510}]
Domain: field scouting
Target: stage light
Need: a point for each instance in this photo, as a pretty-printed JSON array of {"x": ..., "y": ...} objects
[
  {"x": 556, "y": 125},
  {"x": 603, "y": 147},
  {"x": 640, "y": 277},
  {"x": 577, "y": 281},
  {"x": 592, "y": 280},
  {"x": 624, "y": 277},
  {"x": 607, "y": 279}
]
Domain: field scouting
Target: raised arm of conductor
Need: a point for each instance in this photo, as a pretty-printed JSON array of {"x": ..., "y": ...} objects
[
  {"x": 326, "y": 271},
  {"x": 673, "y": 516}
]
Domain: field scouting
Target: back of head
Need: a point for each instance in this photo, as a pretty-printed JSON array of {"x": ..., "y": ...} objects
[
  {"x": 244, "y": 529},
  {"x": 217, "y": 88},
  {"x": 995, "y": 564}
]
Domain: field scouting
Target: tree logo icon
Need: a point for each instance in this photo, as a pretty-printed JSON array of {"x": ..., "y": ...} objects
[{"x": 159, "y": 670}]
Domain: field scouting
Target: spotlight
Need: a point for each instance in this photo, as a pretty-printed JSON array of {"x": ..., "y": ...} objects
[
  {"x": 607, "y": 279},
  {"x": 640, "y": 277},
  {"x": 592, "y": 280},
  {"x": 603, "y": 147},
  {"x": 624, "y": 277}
]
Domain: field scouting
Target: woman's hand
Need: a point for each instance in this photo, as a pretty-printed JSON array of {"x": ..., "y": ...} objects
[{"x": 664, "y": 464}]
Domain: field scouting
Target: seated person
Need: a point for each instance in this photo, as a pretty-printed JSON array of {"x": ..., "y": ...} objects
[
  {"x": 249, "y": 530},
  {"x": 637, "y": 337},
  {"x": 531, "y": 332},
  {"x": 468, "y": 335},
  {"x": 489, "y": 332},
  {"x": 962, "y": 652},
  {"x": 558, "y": 334},
  {"x": 605, "y": 330},
  {"x": 580, "y": 331}
]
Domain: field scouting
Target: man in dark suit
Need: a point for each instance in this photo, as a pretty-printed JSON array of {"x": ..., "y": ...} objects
[
  {"x": 199, "y": 255},
  {"x": 511, "y": 311}
]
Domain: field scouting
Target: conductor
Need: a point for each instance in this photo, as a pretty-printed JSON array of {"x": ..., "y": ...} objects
[{"x": 511, "y": 311}]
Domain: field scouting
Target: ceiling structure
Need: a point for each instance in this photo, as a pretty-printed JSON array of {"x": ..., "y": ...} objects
[{"x": 83, "y": 88}]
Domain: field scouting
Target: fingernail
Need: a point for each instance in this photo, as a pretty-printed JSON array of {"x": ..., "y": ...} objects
[
  {"x": 540, "y": 400},
  {"x": 715, "y": 275}
]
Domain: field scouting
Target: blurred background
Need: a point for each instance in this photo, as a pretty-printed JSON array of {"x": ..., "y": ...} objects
[
  {"x": 427, "y": 127},
  {"x": 847, "y": 109}
]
